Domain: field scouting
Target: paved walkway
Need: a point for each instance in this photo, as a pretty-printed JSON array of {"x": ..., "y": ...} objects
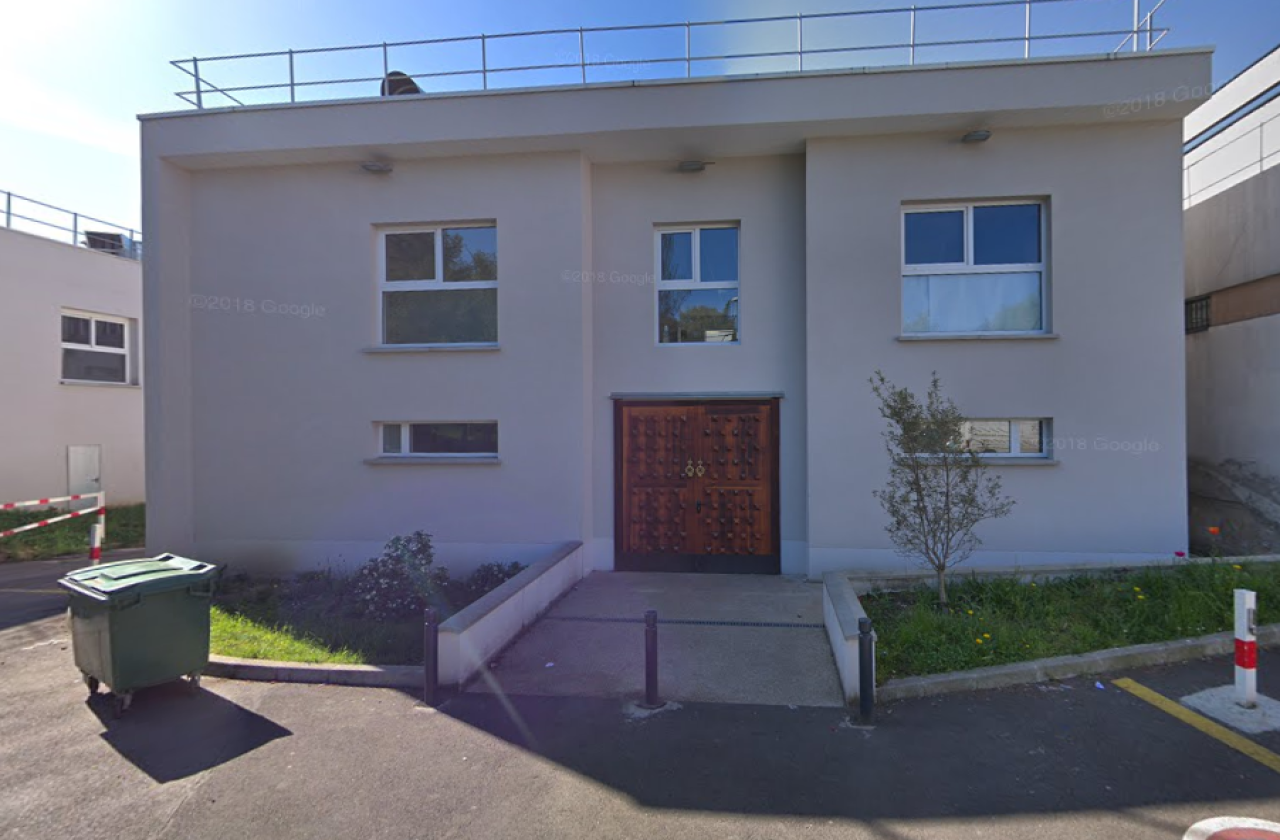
[{"x": 721, "y": 638}]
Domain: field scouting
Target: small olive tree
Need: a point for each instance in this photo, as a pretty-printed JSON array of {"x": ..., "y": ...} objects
[{"x": 938, "y": 488}]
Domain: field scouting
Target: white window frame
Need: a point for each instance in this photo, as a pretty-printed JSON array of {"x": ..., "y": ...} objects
[
  {"x": 693, "y": 283},
  {"x": 405, "y": 434},
  {"x": 1015, "y": 439},
  {"x": 438, "y": 284},
  {"x": 93, "y": 346},
  {"x": 970, "y": 267}
]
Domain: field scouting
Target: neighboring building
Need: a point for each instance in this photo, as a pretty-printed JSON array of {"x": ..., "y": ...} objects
[
  {"x": 514, "y": 317},
  {"x": 1232, "y": 188},
  {"x": 71, "y": 373}
]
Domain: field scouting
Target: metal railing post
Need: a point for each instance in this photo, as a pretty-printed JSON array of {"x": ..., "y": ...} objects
[
  {"x": 688, "y": 54},
  {"x": 1026, "y": 41},
  {"x": 292, "y": 93},
  {"x": 913, "y": 35},
  {"x": 582, "y": 54},
  {"x": 8, "y": 209},
  {"x": 430, "y": 657},
  {"x": 484, "y": 62},
  {"x": 866, "y": 672},
  {"x": 195, "y": 71},
  {"x": 1137, "y": 22},
  {"x": 75, "y": 228},
  {"x": 386, "y": 61},
  {"x": 800, "y": 41}
]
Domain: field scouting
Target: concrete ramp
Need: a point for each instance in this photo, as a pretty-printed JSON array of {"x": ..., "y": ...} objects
[{"x": 721, "y": 638}]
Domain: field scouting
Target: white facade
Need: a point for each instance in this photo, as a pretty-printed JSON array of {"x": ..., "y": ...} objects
[
  {"x": 267, "y": 376},
  {"x": 1232, "y": 186},
  {"x": 59, "y": 431}
]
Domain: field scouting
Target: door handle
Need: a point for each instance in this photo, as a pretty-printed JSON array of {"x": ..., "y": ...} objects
[
  {"x": 697, "y": 506},
  {"x": 701, "y": 470}
]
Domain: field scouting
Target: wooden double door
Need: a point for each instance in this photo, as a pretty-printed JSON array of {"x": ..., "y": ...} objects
[{"x": 697, "y": 486}]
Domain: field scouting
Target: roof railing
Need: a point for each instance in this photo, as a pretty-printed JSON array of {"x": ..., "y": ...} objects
[
  {"x": 575, "y": 62},
  {"x": 31, "y": 216}
]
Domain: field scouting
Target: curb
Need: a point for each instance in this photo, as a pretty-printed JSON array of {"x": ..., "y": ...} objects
[
  {"x": 1064, "y": 667},
  {"x": 266, "y": 670}
]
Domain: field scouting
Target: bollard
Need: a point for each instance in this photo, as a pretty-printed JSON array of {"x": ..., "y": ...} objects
[
  {"x": 430, "y": 657},
  {"x": 651, "y": 700},
  {"x": 1246, "y": 648},
  {"x": 95, "y": 544},
  {"x": 866, "y": 672}
]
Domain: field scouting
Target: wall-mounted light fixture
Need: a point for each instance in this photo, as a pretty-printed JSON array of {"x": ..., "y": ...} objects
[
  {"x": 377, "y": 167},
  {"x": 980, "y": 135},
  {"x": 693, "y": 165}
]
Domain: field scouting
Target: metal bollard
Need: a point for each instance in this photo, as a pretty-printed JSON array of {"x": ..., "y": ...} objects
[
  {"x": 866, "y": 672},
  {"x": 430, "y": 657},
  {"x": 651, "y": 700}
]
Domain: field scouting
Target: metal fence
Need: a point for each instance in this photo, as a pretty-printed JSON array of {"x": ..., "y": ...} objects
[
  {"x": 1251, "y": 153},
  {"x": 32, "y": 216},
  {"x": 587, "y": 54}
]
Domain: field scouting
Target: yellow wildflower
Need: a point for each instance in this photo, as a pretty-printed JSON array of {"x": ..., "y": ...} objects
[
  {"x": 1142, "y": 597},
  {"x": 1236, "y": 566},
  {"x": 986, "y": 635},
  {"x": 979, "y": 641},
  {"x": 970, "y": 612},
  {"x": 1137, "y": 589}
]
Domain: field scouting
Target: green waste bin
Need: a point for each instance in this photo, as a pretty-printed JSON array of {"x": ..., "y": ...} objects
[{"x": 139, "y": 623}]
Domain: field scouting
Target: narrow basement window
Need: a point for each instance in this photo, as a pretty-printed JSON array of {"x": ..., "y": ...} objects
[
  {"x": 444, "y": 439},
  {"x": 1007, "y": 438}
]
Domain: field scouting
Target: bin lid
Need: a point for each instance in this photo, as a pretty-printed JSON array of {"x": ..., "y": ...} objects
[{"x": 139, "y": 577}]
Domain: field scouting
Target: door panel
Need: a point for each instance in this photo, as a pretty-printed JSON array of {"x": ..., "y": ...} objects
[
  {"x": 697, "y": 486},
  {"x": 84, "y": 471}
]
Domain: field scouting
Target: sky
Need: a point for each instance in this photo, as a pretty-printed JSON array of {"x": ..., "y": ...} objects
[{"x": 74, "y": 75}]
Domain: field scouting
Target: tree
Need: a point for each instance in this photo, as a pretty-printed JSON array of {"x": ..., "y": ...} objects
[{"x": 938, "y": 489}]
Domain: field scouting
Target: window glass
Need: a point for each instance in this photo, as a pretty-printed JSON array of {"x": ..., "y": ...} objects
[
  {"x": 440, "y": 316},
  {"x": 961, "y": 303},
  {"x": 934, "y": 237},
  {"x": 987, "y": 436},
  {"x": 470, "y": 254},
  {"x": 75, "y": 330},
  {"x": 391, "y": 438},
  {"x": 697, "y": 316},
  {"x": 718, "y": 255},
  {"x": 1006, "y": 234},
  {"x": 411, "y": 256},
  {"x": 677, "y": 256},
  {"x": 108, "y": 334},
  {"x": 453, "y": 438},
  {"x": 91, "y": 366},
  {"x": 1030, "y": 437}
]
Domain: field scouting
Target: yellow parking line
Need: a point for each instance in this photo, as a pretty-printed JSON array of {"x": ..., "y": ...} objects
[{"x": 1237, "y": 742}]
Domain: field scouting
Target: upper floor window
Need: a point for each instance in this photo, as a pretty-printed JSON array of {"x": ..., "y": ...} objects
[
  {"x": 974, "y": 268},
  {"x": 439, "y": 285},
  {"x": 697, "y": 270},
  {"x": 95, "y": 348}
]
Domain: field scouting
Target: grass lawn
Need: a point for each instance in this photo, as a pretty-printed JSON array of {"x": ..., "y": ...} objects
[
  {"x": 126, "y": 528},
  {"x": 312, "y": 618},
  {"x": 994, "y": 622}
]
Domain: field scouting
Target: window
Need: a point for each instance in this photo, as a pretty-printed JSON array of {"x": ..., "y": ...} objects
[
  {"x": 444, "y": 439},
  {"x": 439, "y": 285},
  {"x": 1007, "y": 438},
  {"x": 973, "y": 268},
  {"x": 1197, "y": 314},
  {"x": 95, "y": 348},
  {"x": 697, "y": 285}
]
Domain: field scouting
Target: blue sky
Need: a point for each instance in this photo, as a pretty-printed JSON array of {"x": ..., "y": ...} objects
[{"x": 80, "y": 72}]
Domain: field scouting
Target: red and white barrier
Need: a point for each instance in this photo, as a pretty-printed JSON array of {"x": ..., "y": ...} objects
[
  {"x": 1246, "y": 648},
  {"x": 97, "y": 533}
]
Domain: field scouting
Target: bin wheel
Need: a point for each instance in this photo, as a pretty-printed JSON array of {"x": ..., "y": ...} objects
[
  {"x": 92, "y": 683},
  {"x": 122, "y": 703}
]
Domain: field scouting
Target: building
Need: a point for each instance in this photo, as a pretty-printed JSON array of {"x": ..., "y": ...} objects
[
  {"x": 1232, "y": 196},
  {"x": 644, "y": 315},
  {"x": 71, "y": 381}
]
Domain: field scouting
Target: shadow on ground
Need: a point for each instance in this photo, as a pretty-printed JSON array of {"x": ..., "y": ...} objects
[
  {"x": 1042, "y": 749},
  {"x": 173, "y": 731}
]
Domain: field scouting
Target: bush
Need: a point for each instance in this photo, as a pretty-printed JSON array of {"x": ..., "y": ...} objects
[
  {"x": 483, "y": 580},
  {"x": 401, "y": 582}
]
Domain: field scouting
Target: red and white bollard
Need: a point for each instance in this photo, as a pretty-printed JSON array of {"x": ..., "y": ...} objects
[
  {"x": 1246, "y": 648},
  {"x": 95, "y": 543}
]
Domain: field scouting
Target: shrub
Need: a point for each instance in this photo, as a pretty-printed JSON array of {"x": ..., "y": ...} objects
[
  {"x": 401, "y": 582},
  {"x": 483, "y": 580}
]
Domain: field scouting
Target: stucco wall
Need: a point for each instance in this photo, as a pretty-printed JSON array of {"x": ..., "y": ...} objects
[
  {"x": 1114, "y": 377},
  {"x": 766, "y": 197},
  {"x": 283, "y": 406},
  {"x": 41, "y": 415}
]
